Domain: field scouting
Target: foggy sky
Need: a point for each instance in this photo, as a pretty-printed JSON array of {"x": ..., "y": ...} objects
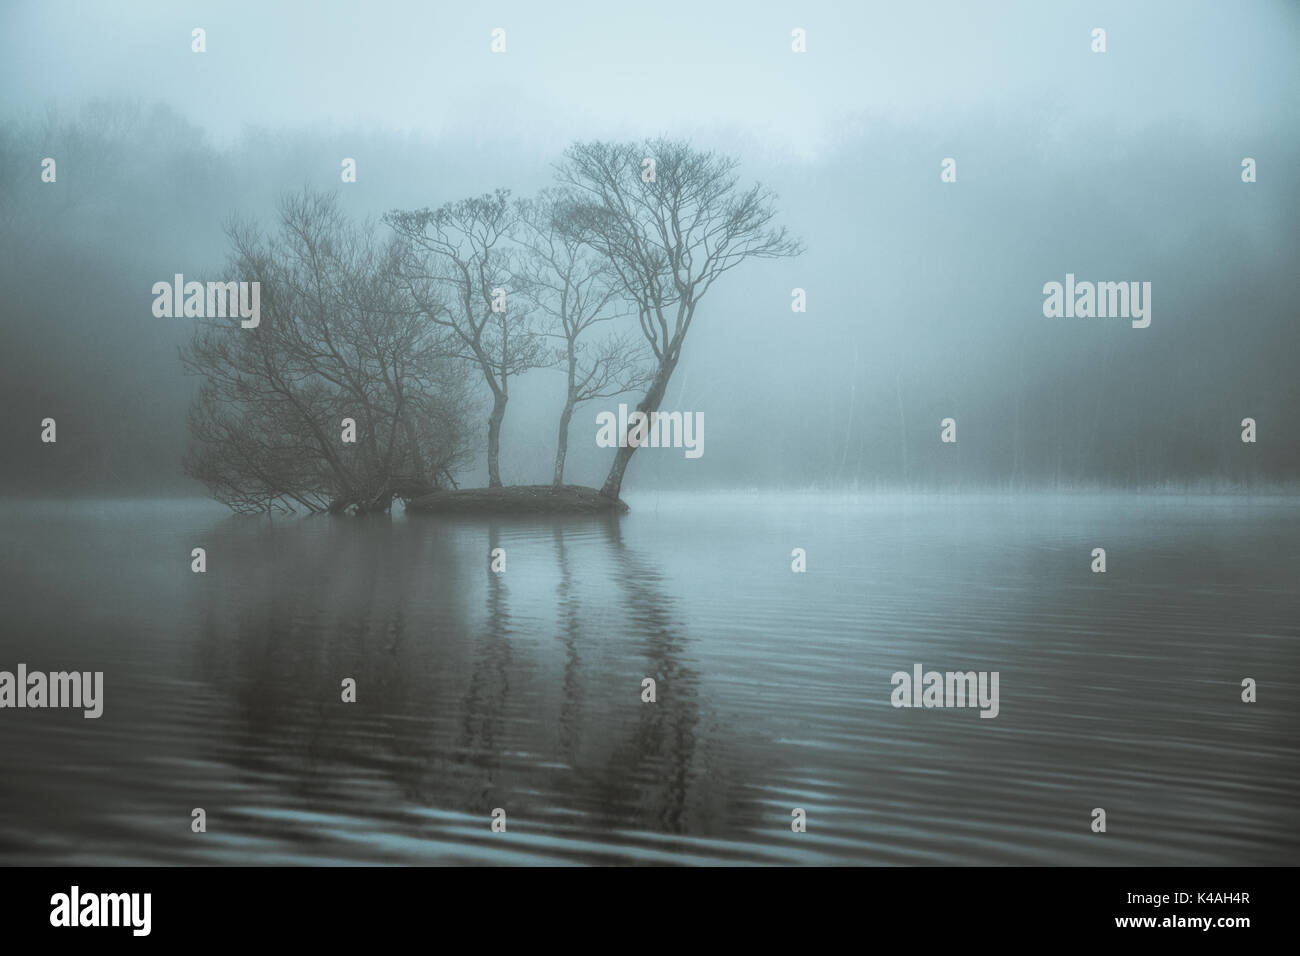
[{"x": 924, "y": 299}]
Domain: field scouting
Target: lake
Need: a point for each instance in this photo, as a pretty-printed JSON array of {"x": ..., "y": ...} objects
[{"x": 522, "y": 690}]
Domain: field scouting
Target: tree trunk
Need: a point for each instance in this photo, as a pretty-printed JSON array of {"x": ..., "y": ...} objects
[
  {"x": 494, "y": 439},
  {"x": 417, "y": 463},
  {"x": 653, "y": 397},
  {"x": 562, "y": 446},
  {"x": 902, "y": 420}
]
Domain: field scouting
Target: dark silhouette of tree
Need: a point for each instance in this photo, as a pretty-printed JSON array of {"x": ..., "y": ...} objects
[
  {"x": 668, "y": 238},
  {"x": 337, "y": 339},
  {"x": 578, "y": 290},
  {"x": 459, "y": 270}
]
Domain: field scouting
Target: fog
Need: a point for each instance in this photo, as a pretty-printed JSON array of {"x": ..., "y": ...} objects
[{"x": 924, "y": 298}]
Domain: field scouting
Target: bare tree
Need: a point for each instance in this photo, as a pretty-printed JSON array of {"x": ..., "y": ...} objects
[
  {"x": 669, "y": 231},
  {"x": 459, "y": 270},
  {"x": 578, "y": 289},
  {"x": 337, "y": 339}
]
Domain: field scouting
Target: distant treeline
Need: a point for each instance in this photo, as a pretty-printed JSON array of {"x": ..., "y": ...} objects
[{"x": 924, "y": 302}]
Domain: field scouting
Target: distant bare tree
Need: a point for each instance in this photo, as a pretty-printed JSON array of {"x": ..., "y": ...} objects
[
  {"x": 458, "y": 257},
  {"x": 337, "y": 339},
  {"x": 668, "y": 238},
  {"x": 577, "y": 289}
]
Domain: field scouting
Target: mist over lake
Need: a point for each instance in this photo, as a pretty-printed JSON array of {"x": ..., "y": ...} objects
[
  {"x": 522, "y": 690},
  {"x": 686, "y": 435}
]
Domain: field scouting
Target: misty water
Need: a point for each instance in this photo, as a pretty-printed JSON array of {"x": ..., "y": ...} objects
[{"x": 522, "y": 690}]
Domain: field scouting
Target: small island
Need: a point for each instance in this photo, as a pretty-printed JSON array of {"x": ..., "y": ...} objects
[
  {"x": 363, "y": 359},
  {"x": 517, "y": 499}
]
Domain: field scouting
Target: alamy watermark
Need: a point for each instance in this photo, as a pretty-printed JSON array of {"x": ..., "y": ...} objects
[
  {"x": 75, "y": 908},
  {"x": 653, "y": 430},
  {"x": 215, "y": 300},
  {"x": 947, "y": 689},
  {"x": 1101, "y": 300},
  {"x": 57, "y": 689}
]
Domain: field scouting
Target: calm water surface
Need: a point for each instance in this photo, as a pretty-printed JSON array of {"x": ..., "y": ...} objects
[{"x": 523, "y": 690}]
